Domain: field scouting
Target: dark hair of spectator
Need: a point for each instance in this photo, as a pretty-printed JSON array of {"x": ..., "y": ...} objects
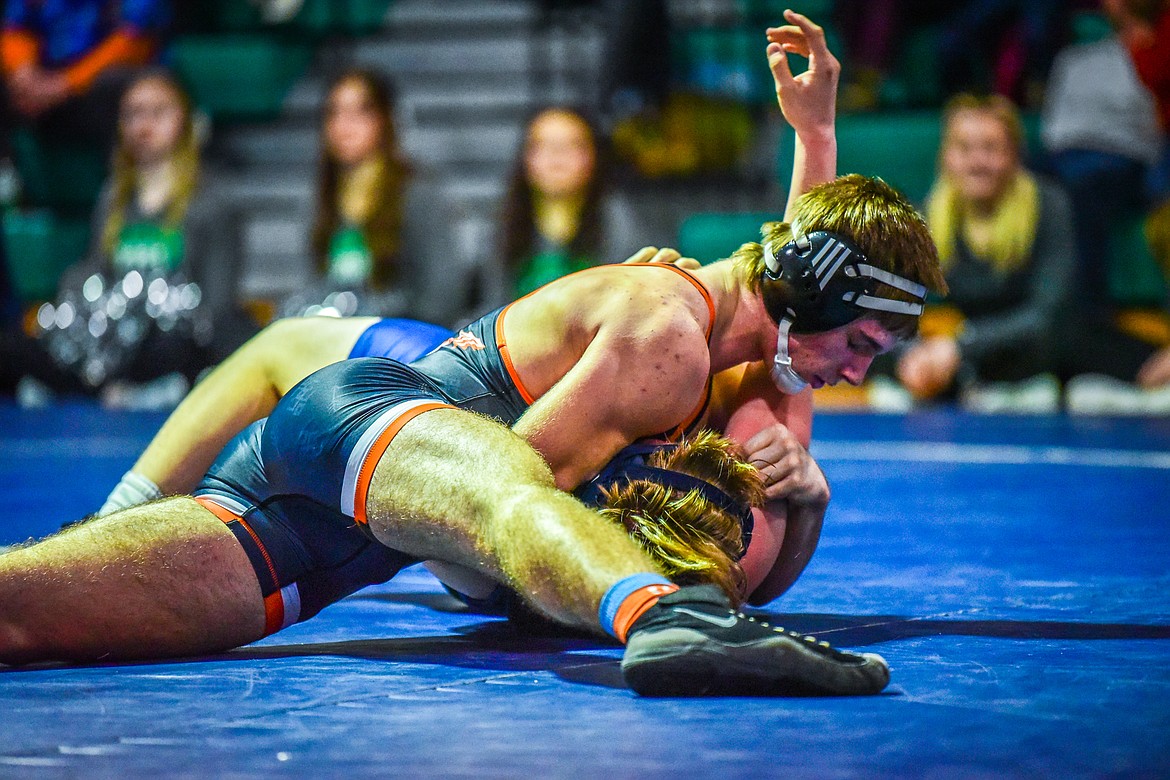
[
  {"x": 382, "y": 229},
  {"x": 519, "y": 218}
]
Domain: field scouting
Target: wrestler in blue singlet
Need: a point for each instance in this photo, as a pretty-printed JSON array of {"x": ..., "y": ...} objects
[
  {"x": 399, "y": 339},
  {"x": 292, "y": 486}
]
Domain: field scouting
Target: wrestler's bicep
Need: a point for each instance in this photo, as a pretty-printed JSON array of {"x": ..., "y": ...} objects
[{"x": 745, "y": 401}]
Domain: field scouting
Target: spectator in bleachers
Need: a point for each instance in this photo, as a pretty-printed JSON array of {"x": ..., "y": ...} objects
[
  {"x": 1101, "y": 135},
  {"x": 1144, "y": 27},
  {"x": 561, "y": 213},
  {"x": 154, "y": 301},
  {"x": 380, "y": 229},
  {"x": 1006, "y": 242},
  {"x": 66, "y": 62},
  {"x": 361, "y": 185},
  {"x": 1005, "y": 46}
]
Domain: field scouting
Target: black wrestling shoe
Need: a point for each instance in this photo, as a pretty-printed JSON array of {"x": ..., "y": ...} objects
[{"x": 691, "y": 643}]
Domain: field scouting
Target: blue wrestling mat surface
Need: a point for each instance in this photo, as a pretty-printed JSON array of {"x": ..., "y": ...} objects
[{"x": 1015, "y": 572}]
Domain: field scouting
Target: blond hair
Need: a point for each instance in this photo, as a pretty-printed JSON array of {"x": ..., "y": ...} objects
[
  {"x": 692, "y": 539},
  {"x": 1007, "y": 243},
  {"x": 876, "y": 218},
  {"x": 184, "y": 165}
]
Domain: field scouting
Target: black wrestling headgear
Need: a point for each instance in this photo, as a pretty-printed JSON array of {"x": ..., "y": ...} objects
[
  {"x": 629, "y": 465},
  {"x": 821, "y": 281}
]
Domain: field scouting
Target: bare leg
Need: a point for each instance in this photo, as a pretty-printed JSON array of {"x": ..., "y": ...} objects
[
  {"x": 241, "y": 390},
  {"x": 457, "y": 487},
  {"x": 163, "y": 579}
]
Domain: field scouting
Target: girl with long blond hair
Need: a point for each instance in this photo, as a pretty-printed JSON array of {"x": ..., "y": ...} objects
[
  {"x": 160, "y": 216},
  {"x": 1006, "y": 244}
]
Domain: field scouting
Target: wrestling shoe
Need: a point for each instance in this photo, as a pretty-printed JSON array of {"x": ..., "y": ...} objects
[{"x": 691, "y": 643}]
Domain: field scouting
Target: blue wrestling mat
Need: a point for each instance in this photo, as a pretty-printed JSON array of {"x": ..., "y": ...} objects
[{"x": 1015, "y": 572}]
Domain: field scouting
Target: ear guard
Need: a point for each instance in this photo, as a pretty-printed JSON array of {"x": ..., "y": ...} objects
[
  {"x": 822, "y": 281},
  {"x": 629, "y": 465}
]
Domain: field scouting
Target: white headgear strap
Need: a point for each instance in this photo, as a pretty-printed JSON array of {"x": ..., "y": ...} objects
[{"x": 782, "y": 373}]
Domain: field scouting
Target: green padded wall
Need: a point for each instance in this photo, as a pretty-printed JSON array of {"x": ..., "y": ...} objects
[
  {"x": 711, "y": 236},
  {"x": 41, "y": 246}
]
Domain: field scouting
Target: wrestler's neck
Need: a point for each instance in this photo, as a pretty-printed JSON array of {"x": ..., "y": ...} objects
[{"x": 743, "y": 332}]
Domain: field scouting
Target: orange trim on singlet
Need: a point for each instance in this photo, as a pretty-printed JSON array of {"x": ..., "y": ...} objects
[
  {"x": 273, "y": 602},
  {"x": 273, "y": 612},
  {"x": 635, "y": 605},
  {"x": 697, "y": 412},
  {"x": 219, "y": 510},
  {"x": 228, "y": 516},
  {"x": 366, "y": 473},
  {"x": 506, "y": 356}
]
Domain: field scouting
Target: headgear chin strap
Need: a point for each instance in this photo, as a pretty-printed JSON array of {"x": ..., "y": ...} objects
[{"x": 821, "y": 281}]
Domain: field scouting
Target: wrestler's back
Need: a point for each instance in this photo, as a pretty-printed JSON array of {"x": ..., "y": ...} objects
[{"x": 548, "y": 331}]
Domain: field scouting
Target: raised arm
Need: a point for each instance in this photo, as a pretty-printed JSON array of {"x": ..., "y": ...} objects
[{"x": 808, "y": 101}]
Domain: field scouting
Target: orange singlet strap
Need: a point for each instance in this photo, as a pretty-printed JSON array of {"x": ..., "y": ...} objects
[
  {"x": 697, "y": 412},
  {"x": 698, "y": 286},
  {"x": 506, "y": 356}
]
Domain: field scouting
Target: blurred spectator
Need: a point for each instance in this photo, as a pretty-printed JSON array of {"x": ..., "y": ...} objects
[
  {"x": 560, "y": 212},
  {"x": 1101, "y": 133},
  {"x": 1144, "y": 27},
  {"x": 65, "y": 61},
  {"x": 1005, "y": 46},
  {"x": 875, "y": 32},
  {"x": 380, "y": 227},
  {"x": 154, "y": 301},
  {"x": 361, "y": 185},
  {"x": 1006, "y": 241}
]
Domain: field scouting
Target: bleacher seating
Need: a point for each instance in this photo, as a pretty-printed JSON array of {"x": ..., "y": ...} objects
[
  {"x": 1135, "y": 278},
  {"x": 61, "y": 176},
  {"x": 40, "y": 246},
  {"x": 711, "y": 236},
  {"x": 239, "y": 76}
]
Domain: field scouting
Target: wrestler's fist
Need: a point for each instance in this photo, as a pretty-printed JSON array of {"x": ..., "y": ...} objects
[{"x": 788, "y": 469}]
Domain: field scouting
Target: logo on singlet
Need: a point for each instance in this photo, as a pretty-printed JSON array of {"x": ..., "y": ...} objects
[{"x": 464, "y": 340}]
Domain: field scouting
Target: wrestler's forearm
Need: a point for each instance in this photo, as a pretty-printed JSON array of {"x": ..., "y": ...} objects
[
  {"x": 801, "y": 535},
  {"x": 814, "y": 162}
]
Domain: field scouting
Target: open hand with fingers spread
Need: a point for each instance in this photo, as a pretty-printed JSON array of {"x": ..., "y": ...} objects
[
  {"x": 788, "y": 469},
  {"x": 808, "y": 101}
]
